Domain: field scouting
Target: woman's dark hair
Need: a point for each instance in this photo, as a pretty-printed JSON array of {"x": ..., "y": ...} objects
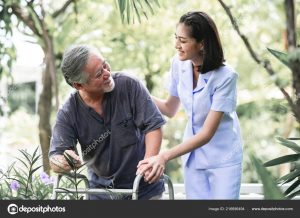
[{"x": 203, "y": 28}]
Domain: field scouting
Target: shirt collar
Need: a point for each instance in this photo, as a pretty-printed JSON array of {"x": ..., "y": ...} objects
[
  {"x": 187, "y": 75},
  {"x": 202, "y": 81}
]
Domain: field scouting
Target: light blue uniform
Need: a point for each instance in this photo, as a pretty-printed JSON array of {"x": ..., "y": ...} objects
[{"x": 212, "y": 171}]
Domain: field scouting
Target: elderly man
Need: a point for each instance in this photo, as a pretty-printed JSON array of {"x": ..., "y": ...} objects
[{"x": 114, "y": 120}]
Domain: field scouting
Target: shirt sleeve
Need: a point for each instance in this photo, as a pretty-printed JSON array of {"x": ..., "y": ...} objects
[
  {"x": 145, "y": 113},
  {"x": 63, "y": 134},
  {"x": 224, "y": 98},
  {"x": 173, "y": 79}
]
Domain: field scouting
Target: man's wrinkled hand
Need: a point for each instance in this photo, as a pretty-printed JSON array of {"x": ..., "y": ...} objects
[{"x": 59, "y": 163}]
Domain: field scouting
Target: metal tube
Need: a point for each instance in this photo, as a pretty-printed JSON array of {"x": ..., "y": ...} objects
[{"x": 135, "y": 188}]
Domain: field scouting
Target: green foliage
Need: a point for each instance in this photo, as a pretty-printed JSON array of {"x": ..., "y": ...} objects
[
  {"x": 287, "y": 143},
  {"x": 23, "y": 182},
  {"x": 294, "y": 175},
  {"x": 294, "y": 56},
  {"x": 271, "y": 190},
  {"x": 287, "y": 59},
  {"x": 22, "y": 95},
  {"x": 70, "y": 181},
  {"x": 280, "y": 56},
  {"x": 283, "y": 159},
  {"x": 7, "y": 49},
  {"x": 75, "y": 178},
  {"x": 146, "y": 49},
  {"x": 130, "y": 8},
  {"x": 256, "y": 117}
]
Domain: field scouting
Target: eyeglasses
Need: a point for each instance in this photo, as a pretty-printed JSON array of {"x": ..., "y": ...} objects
[{"x": 105, "y": 66}]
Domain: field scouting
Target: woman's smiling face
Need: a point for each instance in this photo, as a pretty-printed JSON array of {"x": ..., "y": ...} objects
[{"x": 188, "y": 48}]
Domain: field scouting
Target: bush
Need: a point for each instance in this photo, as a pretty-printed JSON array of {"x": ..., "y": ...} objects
[{"x": 24, "y": 182}]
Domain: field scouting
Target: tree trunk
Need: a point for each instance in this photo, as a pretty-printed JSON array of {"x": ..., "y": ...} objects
[
  {"x": 44, "y": 111},
  {"x": 288, "y": 127},
  {"x": 45, "y": 102},
  {"x": 149, "y": 82},
  {"x": 296, "y": 84},
  {"x": 36, "y": 22},
  {"x": 290, "y": 23},
  {"x": 292, "y": 44}
]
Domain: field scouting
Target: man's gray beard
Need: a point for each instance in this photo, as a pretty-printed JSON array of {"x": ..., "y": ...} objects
[{"x": 111, "y": 87}]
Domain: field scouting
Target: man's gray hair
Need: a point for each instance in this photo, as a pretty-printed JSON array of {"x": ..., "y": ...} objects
[{"x": 74, "y": 60}]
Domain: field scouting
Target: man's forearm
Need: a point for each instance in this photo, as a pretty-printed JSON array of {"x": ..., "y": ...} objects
[{"x": 153, "y": 141}]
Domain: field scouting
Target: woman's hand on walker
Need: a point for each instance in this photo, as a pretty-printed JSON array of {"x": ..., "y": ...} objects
[{"x": 156, "y": 166}]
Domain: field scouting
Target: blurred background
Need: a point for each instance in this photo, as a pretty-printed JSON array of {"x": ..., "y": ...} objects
[{"x": 32, "y": 87}]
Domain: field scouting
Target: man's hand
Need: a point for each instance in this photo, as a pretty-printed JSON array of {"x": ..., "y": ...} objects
[{"x": 59, "y": 164}]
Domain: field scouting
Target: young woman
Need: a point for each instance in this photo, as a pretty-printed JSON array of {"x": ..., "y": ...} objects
[{"x": 206, "y": 86}]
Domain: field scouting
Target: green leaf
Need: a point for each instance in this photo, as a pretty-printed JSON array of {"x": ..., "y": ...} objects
[
  {"x": 292, "y": 145},
  {"x": 289, "y": 176},
  {"x": 82, "y": 165},
  {"x": 293, "y": 139},
  {"x": 21, "y": 177},
  {"x": 71, "y": 180},
  {"x": 137, "y": 11},
  {"x": 149, "y": 6},
  {"x": 34, "y": 153},
  {"x": 283, "y": 159},
  {"x": 135, "y": 7},
  {"x": 288, "y": 180},
  {"x": 70, "y": 160},
  {"x": 18, "y": 180},
  {"x": 26, "y": 155},
  {"x": 23, "y": 171},
  {"x": 32, "y": 171},
  {"x": 77, "y": 183},
  {"x": 121, "y": 4},
  {"x": 10, "y": 168},
  {"x": 36, "y": 159},
  {"x": 128, "y": 11},
  {"x": 271, "y": 190},
  {"x": 293, "y": 194},
  {"x": 282, "y": 57},
  {"x": 157, "y": 3},
  {"x": 23, "y": 162},
  {"x": 292, "y": 187},
  {"x": 8, "y": 186}
]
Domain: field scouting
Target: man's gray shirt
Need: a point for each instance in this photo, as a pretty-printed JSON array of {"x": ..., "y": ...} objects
[{"x": 111, "y": 145}]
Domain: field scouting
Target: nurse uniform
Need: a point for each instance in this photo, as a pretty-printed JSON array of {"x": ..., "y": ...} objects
[{"x": 212, "y": 171}]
